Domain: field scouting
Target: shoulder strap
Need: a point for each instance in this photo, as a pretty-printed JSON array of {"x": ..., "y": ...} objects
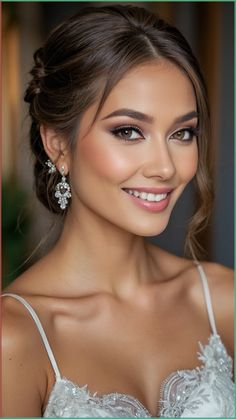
[
  {"x": 207, "y": 297},
  {"x": 40, "y": 329}
]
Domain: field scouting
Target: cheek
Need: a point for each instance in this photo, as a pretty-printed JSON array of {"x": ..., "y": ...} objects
[
  {"x": 187, "y": 162},
  {"x": 103, "y": 160}
]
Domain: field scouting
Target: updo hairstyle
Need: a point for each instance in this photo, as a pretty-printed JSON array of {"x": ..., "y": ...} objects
[{"x": 80, "y": 63}]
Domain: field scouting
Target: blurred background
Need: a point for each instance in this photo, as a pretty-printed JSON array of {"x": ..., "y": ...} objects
[{"x": 209, "y": 28}]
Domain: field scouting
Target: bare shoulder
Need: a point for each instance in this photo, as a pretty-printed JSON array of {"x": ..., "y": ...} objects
[
  {"x": 220, "y": 281},
  {"x": 186, "y": 282},
  {"x": 221, "y": 275},
  {"x": 221, "y": 285},
  {"x": 22, "y": 362},
  {"x": 29, "y": 282}
]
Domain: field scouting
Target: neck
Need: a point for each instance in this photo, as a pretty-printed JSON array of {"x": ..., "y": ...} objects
[{"x": 97, "y": 256}]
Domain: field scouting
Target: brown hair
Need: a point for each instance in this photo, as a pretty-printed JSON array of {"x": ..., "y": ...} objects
[{"x": 82, "y": 60}]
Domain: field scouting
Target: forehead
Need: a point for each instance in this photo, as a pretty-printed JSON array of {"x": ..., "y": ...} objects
[{"x": 154, "y": 88}]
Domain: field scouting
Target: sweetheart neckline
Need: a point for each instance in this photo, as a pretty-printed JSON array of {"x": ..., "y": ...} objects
[
  {"x": 163, "y": 384},
  {"x": 103, "y": 396}
]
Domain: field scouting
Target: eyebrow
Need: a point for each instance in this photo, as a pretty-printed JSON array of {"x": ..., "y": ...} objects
[
  {"x": 187, "y": 117},
  {"x": 140, "y": 116}
]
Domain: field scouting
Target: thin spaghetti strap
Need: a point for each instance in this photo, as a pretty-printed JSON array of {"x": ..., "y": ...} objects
[
  {"x": 207, "y": 297},
  {"x": 40, "y": 329}
]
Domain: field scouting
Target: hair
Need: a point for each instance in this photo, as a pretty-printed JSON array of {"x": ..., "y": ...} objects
[{"x": 81, "y": 62}]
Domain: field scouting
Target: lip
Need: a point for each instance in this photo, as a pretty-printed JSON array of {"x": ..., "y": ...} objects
[{"x": 148, "y": 205}]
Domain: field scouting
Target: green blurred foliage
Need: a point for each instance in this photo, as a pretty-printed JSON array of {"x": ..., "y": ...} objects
[{"x": 16, "y": 222}]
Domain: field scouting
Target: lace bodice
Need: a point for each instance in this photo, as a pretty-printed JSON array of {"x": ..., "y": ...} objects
[{"x": 206, "y": 391}]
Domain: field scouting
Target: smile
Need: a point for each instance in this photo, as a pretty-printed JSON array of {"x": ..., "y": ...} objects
[
  {"x": 151, "y": 197},
  {"x": 149, "y": 200}
]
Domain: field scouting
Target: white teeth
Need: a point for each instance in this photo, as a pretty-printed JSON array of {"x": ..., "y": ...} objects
[
  {"x": 143, "y": 195},
  {"x": 151, "y": 197},
  {"x": 160, "y": 197}
]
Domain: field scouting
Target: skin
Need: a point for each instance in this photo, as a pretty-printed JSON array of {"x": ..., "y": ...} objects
[{"x": 133, "y": 302}]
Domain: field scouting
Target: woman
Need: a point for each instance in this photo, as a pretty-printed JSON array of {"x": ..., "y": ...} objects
[{"x": 119, "y": 128}]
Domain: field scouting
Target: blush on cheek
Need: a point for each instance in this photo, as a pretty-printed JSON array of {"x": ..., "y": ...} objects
[
  {"x": 104, "y": 160},
  {"x": 188, "y": 166}
]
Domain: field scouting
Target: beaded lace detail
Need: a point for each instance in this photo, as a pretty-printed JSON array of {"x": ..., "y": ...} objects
[
  {"x": 188, "y": 392},
  {"x": 185, "y": 393},
  {"x": 70, "y": 400}
]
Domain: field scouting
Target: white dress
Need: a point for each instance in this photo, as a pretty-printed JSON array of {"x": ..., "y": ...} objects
[{"x": 204, "y": 392}]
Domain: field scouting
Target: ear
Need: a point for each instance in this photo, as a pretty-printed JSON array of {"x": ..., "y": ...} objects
[{"x": 55, "y": 147}]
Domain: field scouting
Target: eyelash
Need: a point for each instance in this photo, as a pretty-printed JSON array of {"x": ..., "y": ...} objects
[
  {"x": 194, "y": 132},
  {"x": 116, "y": 131}
]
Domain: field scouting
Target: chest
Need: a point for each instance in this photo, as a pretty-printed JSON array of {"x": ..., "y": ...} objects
[
  {"x": 124, "y": 349},
  {"x": 204, "y": 392}
]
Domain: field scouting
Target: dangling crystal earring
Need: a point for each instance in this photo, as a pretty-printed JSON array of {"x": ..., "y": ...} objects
[
  {"x": 63, "y": 190},
  {"x": 52, "y": 167}
]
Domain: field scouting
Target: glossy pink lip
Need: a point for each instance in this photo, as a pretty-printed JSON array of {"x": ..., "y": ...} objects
[{"x": 148, "y": 205}]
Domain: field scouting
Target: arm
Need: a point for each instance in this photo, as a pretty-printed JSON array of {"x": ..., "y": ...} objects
[{"x": 23, "y": 381}]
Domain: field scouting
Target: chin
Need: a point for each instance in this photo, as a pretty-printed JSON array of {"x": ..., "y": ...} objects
[
  {"x": 149, "y": 229},
  {"x": 154, "y": 232}
]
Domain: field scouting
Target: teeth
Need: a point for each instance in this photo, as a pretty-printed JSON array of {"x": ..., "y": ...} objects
[
  {"x": 160, "y": 197},
  {"x": 151, "y": 197},
  {"x": 143, "y": 195}
]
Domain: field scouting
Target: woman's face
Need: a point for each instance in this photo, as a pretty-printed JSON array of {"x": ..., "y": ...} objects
[{"x": 135, "y": 161}]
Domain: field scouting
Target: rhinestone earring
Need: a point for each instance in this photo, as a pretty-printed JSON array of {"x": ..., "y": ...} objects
[
  {"x": 62, "y": 190},
  {"x": 51, "y": 166}
]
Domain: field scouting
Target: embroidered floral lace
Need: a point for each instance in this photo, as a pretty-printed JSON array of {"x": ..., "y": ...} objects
[{"x": 206, "y": 391}]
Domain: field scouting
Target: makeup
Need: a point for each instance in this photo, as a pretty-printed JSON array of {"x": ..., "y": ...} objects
[{"x": 150, "y": 199}]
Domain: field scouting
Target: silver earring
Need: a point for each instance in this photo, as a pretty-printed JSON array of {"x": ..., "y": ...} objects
[
  {"x": 62, "y": 190},
  {"x": 52, "y": 167}
]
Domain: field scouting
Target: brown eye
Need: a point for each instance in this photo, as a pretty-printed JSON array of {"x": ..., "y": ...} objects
[
  {"x": 184, "y": 134},
  {"x": 128, "y": 133},
  {"x": 180, "y": 135}
]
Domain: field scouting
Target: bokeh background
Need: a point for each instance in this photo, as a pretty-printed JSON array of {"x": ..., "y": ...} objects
[{"x": 27, "y": 233}]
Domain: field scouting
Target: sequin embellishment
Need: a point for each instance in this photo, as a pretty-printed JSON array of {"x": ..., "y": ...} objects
[{"x": 205, "y": 391}]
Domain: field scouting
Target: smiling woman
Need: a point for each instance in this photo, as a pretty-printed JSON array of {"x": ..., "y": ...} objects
[
  {"x": 120, "y": 126},
  {"x": 143, "y": 147}
]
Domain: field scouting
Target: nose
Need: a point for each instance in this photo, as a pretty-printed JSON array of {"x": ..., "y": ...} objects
[{"x": 159, "y": 162}]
